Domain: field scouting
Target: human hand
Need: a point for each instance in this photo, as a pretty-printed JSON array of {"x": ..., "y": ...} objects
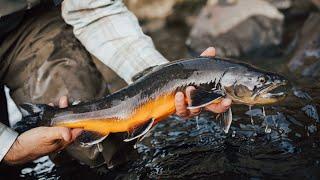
[
  {"x": 41, "y": 141},
  {"x": 181, "y": 104}
]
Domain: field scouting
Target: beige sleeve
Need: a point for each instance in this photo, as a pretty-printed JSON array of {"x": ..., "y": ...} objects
[
  {"x": 7, "y": 138},
  {"x": 112, "y": 33}
]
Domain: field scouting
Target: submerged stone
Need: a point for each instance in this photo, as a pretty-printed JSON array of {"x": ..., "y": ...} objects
[
  {"x": 311, "y": 111},
  {"x": 301, "y": 94}
]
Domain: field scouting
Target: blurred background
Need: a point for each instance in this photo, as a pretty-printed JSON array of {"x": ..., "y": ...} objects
[{"x": 278, "y": 35}]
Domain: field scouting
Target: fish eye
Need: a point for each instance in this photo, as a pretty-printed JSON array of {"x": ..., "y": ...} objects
[{"x": 262, "y": 80}]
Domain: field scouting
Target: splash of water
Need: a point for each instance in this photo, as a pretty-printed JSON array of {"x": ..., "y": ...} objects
[
  {"x": 233, "y": 134},
  {"x": 267, "y": 129},
  {"x": 197, "y": 121},
  {"x": 198, "y": 128},
  {"x": 251, "y": 119}
]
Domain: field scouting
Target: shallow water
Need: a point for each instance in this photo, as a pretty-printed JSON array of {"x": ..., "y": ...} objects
[
  {"x": 282, "y": 143},
  {"x": 189, "y": 149}
]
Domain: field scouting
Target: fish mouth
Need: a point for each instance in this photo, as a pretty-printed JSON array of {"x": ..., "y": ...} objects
[{"x": 275, "y": 91}]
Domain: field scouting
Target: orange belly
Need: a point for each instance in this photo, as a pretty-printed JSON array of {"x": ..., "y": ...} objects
[{"x": 159, "y": 109}]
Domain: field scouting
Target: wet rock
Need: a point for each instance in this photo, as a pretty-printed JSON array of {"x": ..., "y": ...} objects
[
  {"x": 186, "y": 12},
  {"x": 316, "y": 3},
  {"x": 312, "y": 129},
  {"x": 254, "y": 113},
  {"x": 303, "y": 7},
  {"x": 251, "y": 27},
  {"x": 151, "y": 9},
  {"x": 301, "y": 94},
  {"x": 152, "y": 12},
  {"x": 306, "y": 58},
  {"x": 296, "y": 6},
  {"x": 280, "y": 4},
  {"x": 311, "y": 111}
]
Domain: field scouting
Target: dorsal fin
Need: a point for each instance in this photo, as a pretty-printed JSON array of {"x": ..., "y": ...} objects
[{"x": 143, "y": 73}]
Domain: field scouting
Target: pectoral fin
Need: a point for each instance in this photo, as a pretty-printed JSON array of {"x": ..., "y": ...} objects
[
  {"x": 201, "y": 98},
  {"x": 89, "y": 138},
  {"x": 227, "y": 120},
  {"x": 140, "y": 131}
]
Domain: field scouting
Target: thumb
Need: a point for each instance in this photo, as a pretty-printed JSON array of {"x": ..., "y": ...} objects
[
  {"x": 63, "y": 133},
  {"x": 75, "y": 133},
  {"x": 211, "y": 51}
]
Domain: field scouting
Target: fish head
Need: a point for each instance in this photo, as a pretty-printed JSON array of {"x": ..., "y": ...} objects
[{"x": 251, "y": 86}]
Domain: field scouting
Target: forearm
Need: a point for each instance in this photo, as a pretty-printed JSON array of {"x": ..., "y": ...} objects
[
  {"x": 112, "y": 33},
  {"x": 7, "y": 138}
]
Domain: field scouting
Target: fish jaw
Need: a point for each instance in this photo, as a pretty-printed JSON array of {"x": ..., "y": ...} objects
[{"x": 271, "y": 94}]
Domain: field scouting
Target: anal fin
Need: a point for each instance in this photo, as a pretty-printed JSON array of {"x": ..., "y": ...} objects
[
  {"x": 227, "y": 120},
  {"x": 89, "y": 138},
  {"x": 201, "y": 98},
  {"x": 140, "y": 131}
]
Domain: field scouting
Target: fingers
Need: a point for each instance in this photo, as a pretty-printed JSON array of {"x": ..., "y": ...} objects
[
  {"x": 211, "y": 51},
  {"x": 64, "y": 133},
  {"x": 60, "y": 137},
  {"x": 75, "y": 133},
  {"x": 58, "y": 133},
  {"x": 63, "y": 102},
  {"x": 221, "y": 107},
  {"x": 193, "y": 112},
  {"x": 180, "y": 104}
]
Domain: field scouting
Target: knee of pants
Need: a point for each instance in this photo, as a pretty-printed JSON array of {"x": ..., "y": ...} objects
[{"x": 62, "y": 77}]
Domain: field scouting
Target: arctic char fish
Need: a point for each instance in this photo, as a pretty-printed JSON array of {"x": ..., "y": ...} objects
[{"x": 150, "y": 99}]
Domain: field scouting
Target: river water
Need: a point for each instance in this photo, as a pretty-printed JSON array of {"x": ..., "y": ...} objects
[{"x": 282, "y": 141}]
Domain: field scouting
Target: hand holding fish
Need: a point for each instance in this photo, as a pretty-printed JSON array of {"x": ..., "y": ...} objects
[
  {"x": 181, "y": 104},
  {"x": 41, "y": 141},
  {"x": 157, "y": 93}
]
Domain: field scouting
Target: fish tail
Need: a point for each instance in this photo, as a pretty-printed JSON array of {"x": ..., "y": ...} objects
[{"x": 31, "y": 116}]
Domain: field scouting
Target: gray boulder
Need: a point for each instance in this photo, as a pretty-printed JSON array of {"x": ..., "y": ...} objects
[
  {"x": 306, "y": 57},
  {"x": 250, "y": 27},
  {"x": 316, "y": 3},
  {"x": 152, "y": 12}
]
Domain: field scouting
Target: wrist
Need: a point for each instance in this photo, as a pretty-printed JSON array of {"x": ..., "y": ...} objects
[
  {"x": 11, "y": 156},
  {"x": 8, "y": 137},
  {"x": 15, "y": 152}
]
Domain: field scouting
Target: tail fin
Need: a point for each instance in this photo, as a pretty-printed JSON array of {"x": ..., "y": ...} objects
[{"x": 31, "y": 116}]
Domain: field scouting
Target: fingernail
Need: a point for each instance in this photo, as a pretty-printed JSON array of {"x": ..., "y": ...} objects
[{"x": 179, "y": 95}]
